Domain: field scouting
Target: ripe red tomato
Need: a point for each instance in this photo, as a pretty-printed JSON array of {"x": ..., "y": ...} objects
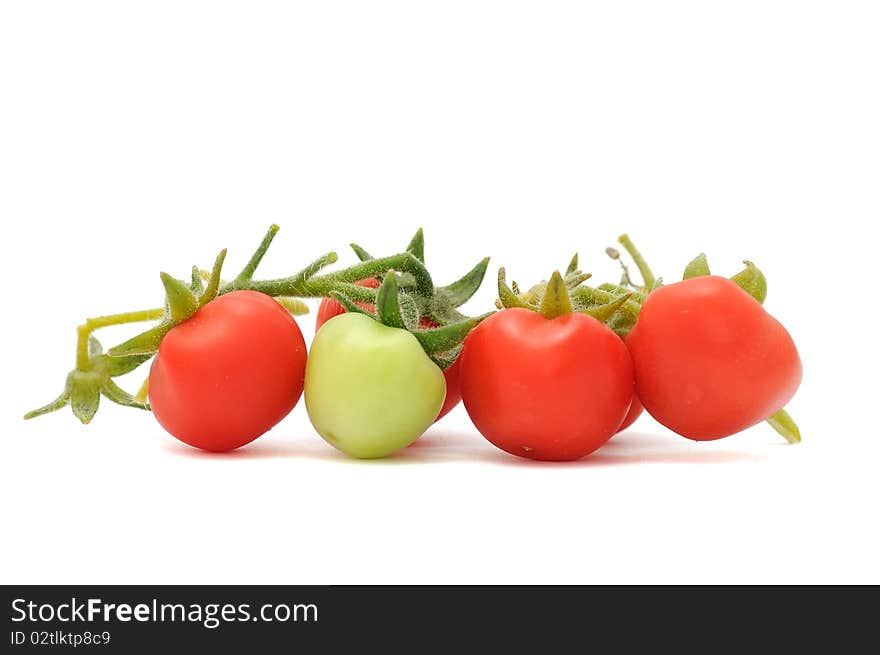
[
  {"x": 635, "y": 410},
  {"x": 709, "y": 360},
  {"x": 229, "y": 373},
  {"x": 549, "y": 389},
  {"x": 330, "y": 308}
]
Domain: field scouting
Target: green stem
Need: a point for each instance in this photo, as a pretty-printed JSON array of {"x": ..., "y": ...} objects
[
  {"x": 784, "y": 424},
  {"x": 248, "y": 271},
  {"x": 406, "y": 262},
  {"x": 85, "y": 330},
  {"x": 644, "y": 270},
  {"x": 321, "y": 286}
]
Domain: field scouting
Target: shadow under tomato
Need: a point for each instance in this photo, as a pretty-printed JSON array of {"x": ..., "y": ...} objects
[
  {"x": 261, "y": 449},
  {"x": 441, "y": 446}
]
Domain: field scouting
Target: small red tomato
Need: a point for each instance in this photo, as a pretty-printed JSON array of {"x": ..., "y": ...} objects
[
  {"x": 229, "y": 373},
  {"x": 635, "y": 410},
  {"x": 548, "y": 389},
  {"x": 330, "y": 308},
  {"x": 709, "y": 360}
]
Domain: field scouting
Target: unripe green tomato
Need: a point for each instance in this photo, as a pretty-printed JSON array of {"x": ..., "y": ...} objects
[{"x": 370, "y": 389}]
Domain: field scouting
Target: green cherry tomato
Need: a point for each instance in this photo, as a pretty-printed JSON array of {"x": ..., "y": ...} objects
[{"x": 370, "y": 389}]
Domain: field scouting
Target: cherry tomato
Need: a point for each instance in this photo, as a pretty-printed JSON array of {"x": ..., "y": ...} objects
[
  {"x": 709, "y": 360},
  {"x": 330, "y": 308},
  {"x": 370, "y": 389},
  {"x": 549, "y": 389},
  {"x": 229, "y": 373},
  {"x": 635, "y": 410}
]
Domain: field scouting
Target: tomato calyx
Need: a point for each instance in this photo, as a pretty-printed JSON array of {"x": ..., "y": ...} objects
[
  {"x": 86, "y": 384},
  {"x": 442, "y": 344},
  {"x": 566, "y": 294},
  {"x": 441, "y": 305}
]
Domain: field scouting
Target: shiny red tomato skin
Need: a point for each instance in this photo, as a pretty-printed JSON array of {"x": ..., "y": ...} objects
[
  {"x": 330, "y": 308},
  {"x": 545, "y": 389},
  {"x": 229, "y": 373},
  {"x": 709, "y": 360}
]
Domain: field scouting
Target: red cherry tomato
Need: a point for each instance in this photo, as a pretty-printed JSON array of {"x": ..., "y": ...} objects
[
  {"x": 229, "y": 373},
  {"x": 709, "y": 360},
  {"x": 330, "y": 308},
  {"x": 635, "y": 410},
  {"x": 549, "y": 389}
]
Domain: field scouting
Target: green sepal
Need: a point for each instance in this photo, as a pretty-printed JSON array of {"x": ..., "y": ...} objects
[
  {"x": 213, "y": 287},
  {"x": 144, "y": 343},
  {"x": 416, "y": 245},
  {"x": 506, "y": 295},
  {"x": 387, "y": 303},
  {"x": 409, "y": 310},
  {"x": 181, "y": 302},
  {"x": 362, "y": 254},
  {"x": 459, "y": 292},
  {"x": 446, "y": 359},
  {"x": 574, "y": 280},
  {"x": 55, "y": 405},
  {"x": 698, "y": 267},
  {"x": 119, "y": 396},
  {"x": 572, "y": 265},
  {"x": 752, "y": 281},
  {"x": 606, "y": 311},
  {"x": 349, "y": 304},
  {"x": 443, "y": 313},
  {"x": 116, "y": 366},
  {"x": 784, "y": 424},
  {"x": 637, "y": 296},
  {"x": 556, "y": 301},
  {"x": 95, "y": 347},
  {"x": 196, "y": 285},
  {"x": 447, "y": 337},
  {"x": 84, "y": 388}
]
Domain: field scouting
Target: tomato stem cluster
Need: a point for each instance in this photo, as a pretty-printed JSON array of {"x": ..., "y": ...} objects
[
  {"x": 400, "y": 304},
  {"x": 94, "y": 369}
]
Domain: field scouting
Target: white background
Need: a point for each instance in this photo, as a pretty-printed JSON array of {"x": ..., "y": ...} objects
[{"x": 143, "y": 137}]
